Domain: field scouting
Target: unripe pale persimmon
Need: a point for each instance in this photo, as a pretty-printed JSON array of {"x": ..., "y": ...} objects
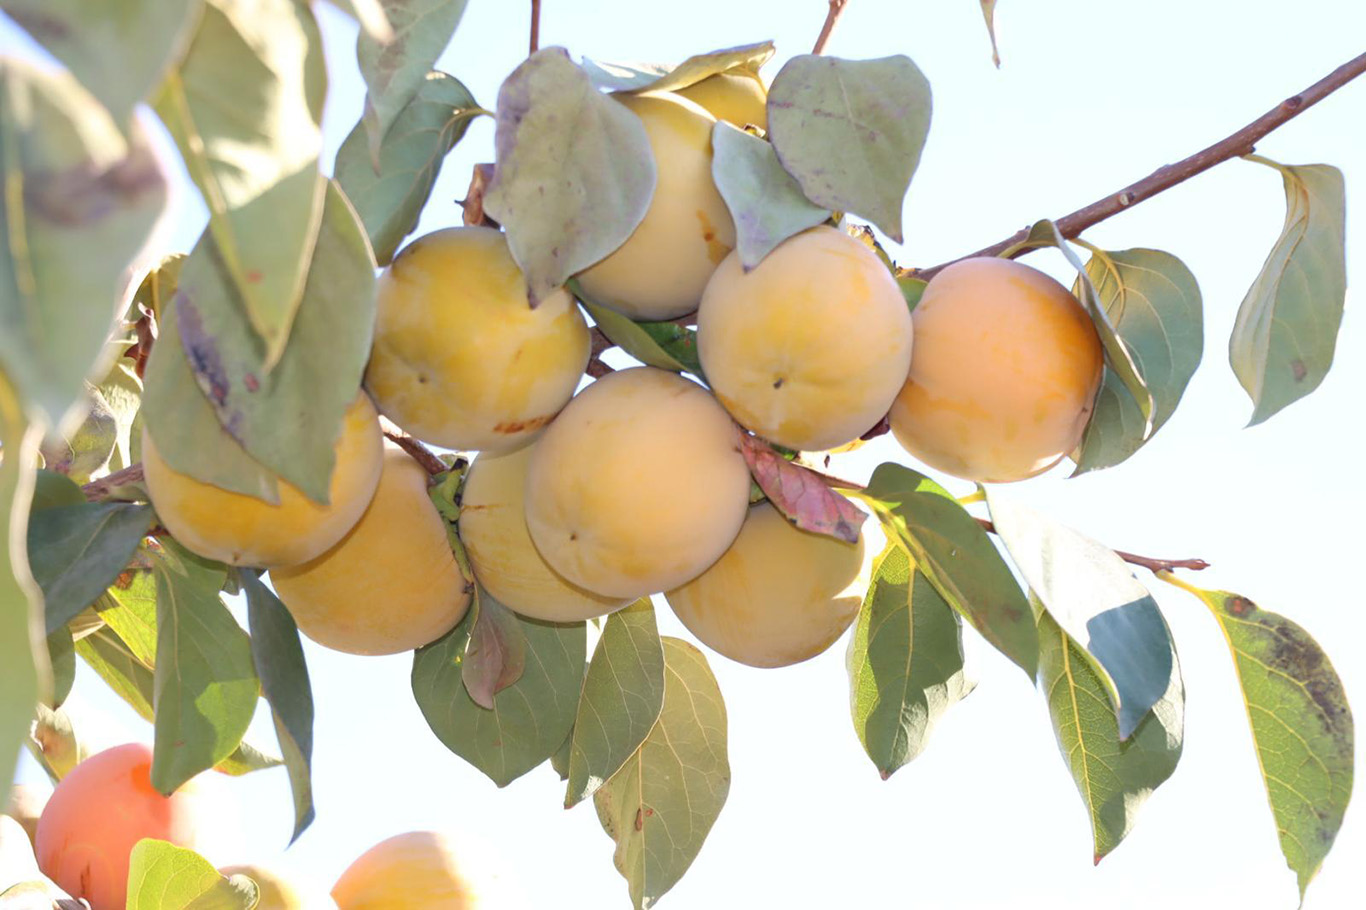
[
  {"x": 809, "y": 348},
  {"x": 26, "y": 807},
  {"x": 17, "y": 862},
  {"x": 279, "y": 892},
  {"x": 392, "y": 583},
  {"x": 1007, "y": 365},
  {"x": 460, "y": 358},
  {"x": 638, "y": 486},
  {"x": 737, "y": 96},
  {"x": 99, "y": 812},
  {"x": 414, "y": 869},
  {"x": 244, "y": 531},
  {"x": 777, "y": 597},
  {"x": 505, "y": 561},
  {"x": 659, "y": 272}
]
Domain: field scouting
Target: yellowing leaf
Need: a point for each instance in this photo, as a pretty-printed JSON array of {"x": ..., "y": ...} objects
[{"x": 162, "y": 876}]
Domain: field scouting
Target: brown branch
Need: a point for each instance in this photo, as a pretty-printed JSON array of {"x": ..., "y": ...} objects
[
  {"x": 596, "y": 368},
  {"x": 107, "y": 487},
  {"x": 1148, "y": 562},
  {"x": 535, "y": 27},
  {"x": 1164, "y": 178},
  {"x": 832, "y": 16},
  {"x": 421, "y": 454}
]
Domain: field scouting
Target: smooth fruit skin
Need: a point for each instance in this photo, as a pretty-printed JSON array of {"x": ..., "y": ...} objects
[
  {"x": 659, "y": 272},
  {"x": 1006, "y": 369},
  {"x": 638, "y": 486},
  {"x": 244, "y": 531},
  {"x": 737, "y": 97},
  {"x": 505, "y": 561},
  {"x": 99, "y": 812},
  {"x": 777, "y": 597},
  {"x": 810, "y": 347},
  {"x": 281, "y": 893},
  {"x": 460, "y": 358},
  {"x": 392, "y": 583},
  {"x": 417, "y": 869},
  {"x": 17, "y": 863}
]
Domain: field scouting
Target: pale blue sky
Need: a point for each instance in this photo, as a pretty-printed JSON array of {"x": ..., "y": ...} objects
[{"x": 1091, "y": 96}]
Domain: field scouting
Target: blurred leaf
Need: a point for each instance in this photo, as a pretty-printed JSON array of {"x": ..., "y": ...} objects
[
  {"x": 85, "y": 450},
  {"x": 765, "y": 201},
  {"x": 623, "y": 695},
  {"x": 912, "y": 289},
  {"x": 851, "y": 131},
  {"x": 666, "y": 345},
  {"x": 989, "y": 14},
  {"x": 574, "y": 173},
  {"x": 61, "y": 654},
  {"x": 1287, "y": 326},
  {"x": 83, "y": 200},
  {"x": 206, "y": 687},
  {"x": 1093, "y": 595},
  {"x": 76, "y": 552},
  {"x": 496, "y": 654},
  {"x": 122, "y": 394},
  {"x": 370, "y": 15},
  {"x": 245, "y": 108},
  {"x": 801, "y": 494},
  {"x": 951, "y": 549},
  {"x": 56, "y": 745},
  {"x": 1301, "y": 723},
  {"x": 394, "y": 69},
  {"x": 38, "y": 895},
  {"x": 1114, "y": 776},
  {"x": 390, "y": 198},
  {"x": 52, "y": 490},
  {"x": 114, "y": 661},
  {"x": 529, "y": 719},
  {"x": 279, "y": 659},
  {"x": 658, "y": 77},
  {"x": 905, "y": 662},
  {"x": 129, "y": 607},
  {"x": 247, "y": 759},
  {"x": 162, "y": 876},
  {"x": 290, "y": 418},
  {"x": 662, "y": 803},
  {"x": 1154, "y": 302}
]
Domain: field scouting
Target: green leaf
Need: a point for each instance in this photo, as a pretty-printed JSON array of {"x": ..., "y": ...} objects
[
  {"x": 288, "y": 419},
  {"x": 83, "y": 199},
  {"x": 389, "y": 198},
  {"x": 121, "y": 391},
  {"x": 52, "y": 490},
  {"x": 23, "y": 654},
  {"x": 1093, "y": 595},
  {"x": 370, "y": 15},
  {"x": 1154, "y": 302},
  {"x": 662, "y": 803},
  {"x": 114, "y": 661},
  {"x": 912, "y": 289},
  {"x": 61, "y": 654},
  {"x": 162, "y": 876},
  {"x": 905, "y": 662},
  {"x": 1114, "y": 776},
  {"x": 245, "y": 108},
  {"x": 247, "y": 759},
  {"x": 496, "y": 654},
  {"x": 76, "y": 552},
  {"x": 623, "y": 695},
  {"x": 851, "y": 131},
  {"x": 85, "y": 450},
  {"x": 529, "y": 719},
  {"x": 666, "y": 345},
  {"x": 655, "y": 77},
  {"x": 279, "y": 659},
  {"x": 574, "y": 173},
  {"x": 955, "y": 554},
  {"x": 1287, "y": 325},
  {"x": 559, "y": 762},
  {"x": 1301, "y": 723},
  {"x": 129, "y": 607},
  {"x": 394, "y": 69},
  {"x": 765, "y": 201},
  {"x": 206, "y": 686},
  {"x": 989, "y": 14}
]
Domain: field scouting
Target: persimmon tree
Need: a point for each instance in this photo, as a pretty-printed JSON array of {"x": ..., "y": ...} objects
[{"x": 172, "y": 433}]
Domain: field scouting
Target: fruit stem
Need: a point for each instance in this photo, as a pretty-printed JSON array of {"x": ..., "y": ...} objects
[
  {"x": 535, "y": 27},
  {"x": 421, "y": 454},
  {"x": 1151, "y": 563},
  {"x": 832, "y": 15}
]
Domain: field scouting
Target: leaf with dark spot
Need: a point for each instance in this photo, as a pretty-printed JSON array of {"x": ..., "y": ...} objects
[
  {"x": 802, "y": 495},
  {"x": 496, "y": 655}
]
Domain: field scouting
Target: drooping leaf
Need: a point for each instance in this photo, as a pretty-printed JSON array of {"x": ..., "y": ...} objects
[
  {"x": 666, "y": 345},
  {"x": 245, "y": 108},
  {"x": 851, "y": 131},
  {"x": 559, "y": 762},
  {"x": 1154, "y": 302},
  {"x": 55, "y": 743},
  {"x": 61, "y": 654},
  {"x": 395, "y": 68},
  {"x": 247, "y": 759},
  {"x": 129, "y": 607},
  {"x": 52, "y": 490},
  {"x": 1114, "y": 776},
  {"x": 623, "y": 695},
  {"x": 1287, "y": 327},
  {"x": 574, "y": 173},
  {"x": 279, "y": 658},
  {"x": 801, "y": 494},
  {"x": 114, "y": 662},
  {"x": 989, "y": 14},
  {"x": 205, "y": 681},
  {"x": 85, "y": 450},
  {"x": 529, "y": 720},
  {"x": 905, "y": 662},
  {"x": 84, "y": 199},
  {"x": 76, "y": 552},
  {"x": 656, "y": 77},
  {"x": 496, "y": 654},
  {"x": 287, "y": 419},
  {"x": 662, "y": 803},
  {"x": 765, "y": 201},
  {"x": 1302, "y": 726},
  {"x": 389, "y": 198},
  {"x": 162, "y": 876},
  {"x": 1093, "y": 595},
  {"x": 951, "y": 549}
]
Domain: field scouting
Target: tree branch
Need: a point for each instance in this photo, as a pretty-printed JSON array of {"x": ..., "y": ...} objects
[
  {"x": 832, "y": 15},
  {"x": 421, "y": 454},
  {"x": 107, "y": 487},
  {"x": 535, "y": 27},
  {"x": 1164, "y": 178},
  {"x": 596, "y": 368}
]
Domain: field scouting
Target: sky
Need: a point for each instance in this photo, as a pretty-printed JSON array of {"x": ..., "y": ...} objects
[{"x": 1090, "y": 96}]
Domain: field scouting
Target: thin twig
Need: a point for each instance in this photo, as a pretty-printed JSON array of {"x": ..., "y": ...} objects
[
  {"x": 1164, "y": 178},
  {"x": 1148, "y": 562},
  {"x": 596, "y": 368},
  {"x": 832, "y": 16},
  {"x": 535, "y": 27},
  {"x": 421, "y": 454},
  {"x": 105, "y": 488}
]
